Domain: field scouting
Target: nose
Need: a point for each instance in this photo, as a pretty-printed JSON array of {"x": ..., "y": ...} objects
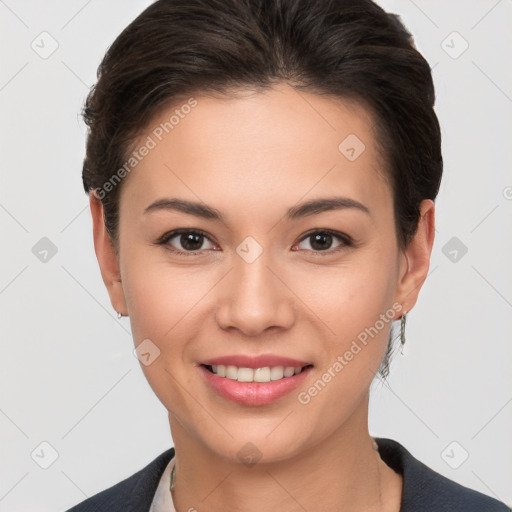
[{"x": 255, "y": 298}]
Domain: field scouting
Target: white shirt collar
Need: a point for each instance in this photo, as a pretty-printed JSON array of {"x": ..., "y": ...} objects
[{"x": 162, "y": 501}]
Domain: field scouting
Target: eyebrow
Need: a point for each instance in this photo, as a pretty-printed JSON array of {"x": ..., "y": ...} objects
[{"x": 312, "y": 207}]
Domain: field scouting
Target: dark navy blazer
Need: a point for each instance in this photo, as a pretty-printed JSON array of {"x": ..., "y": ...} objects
[{"x": 424, "y": 490}]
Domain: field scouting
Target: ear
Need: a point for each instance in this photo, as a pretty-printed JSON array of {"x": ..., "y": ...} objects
[
  {"x": 107, "y": 259},
  {"x": 416, "y": 258}
]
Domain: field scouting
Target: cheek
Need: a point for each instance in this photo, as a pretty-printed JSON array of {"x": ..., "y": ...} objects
[
  {"x": 160, "y": 300},
  {"x": 164, "y": 306},
  {"x": 167, "y": 305},
  {"x": 355, "y": 302},
  {"x": 350, "y": 297}
]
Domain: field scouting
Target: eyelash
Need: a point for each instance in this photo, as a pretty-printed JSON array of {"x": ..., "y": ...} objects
[{"x": 345, "y": 239}]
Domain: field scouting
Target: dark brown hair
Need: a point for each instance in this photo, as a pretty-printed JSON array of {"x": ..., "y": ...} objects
[{"x": 351, "y": 49}]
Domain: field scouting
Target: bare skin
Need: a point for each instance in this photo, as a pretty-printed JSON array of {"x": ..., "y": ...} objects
[{"x": 253, "y": 157}]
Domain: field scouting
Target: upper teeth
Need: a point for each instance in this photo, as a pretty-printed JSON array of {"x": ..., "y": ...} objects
[{"x": 265, "y": 374}]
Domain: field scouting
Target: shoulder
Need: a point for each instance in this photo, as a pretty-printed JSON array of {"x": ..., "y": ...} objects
[
  {"x": 134, "y": 493},
  {"x": 425, "y": 489}
]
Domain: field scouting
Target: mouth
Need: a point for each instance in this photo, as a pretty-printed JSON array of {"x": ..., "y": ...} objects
[
  {"x": 252, "y": 383},
  {"x": 262, "y": 374}
]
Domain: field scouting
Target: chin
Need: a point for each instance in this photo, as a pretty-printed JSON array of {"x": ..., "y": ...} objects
[{"x": 259, "y": 443}]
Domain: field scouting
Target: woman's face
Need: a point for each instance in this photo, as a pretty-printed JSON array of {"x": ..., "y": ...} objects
[{"x": 265, "y": 277}]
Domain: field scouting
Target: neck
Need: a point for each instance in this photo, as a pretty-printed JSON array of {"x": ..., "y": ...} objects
[{"x": 344, "y": 472}]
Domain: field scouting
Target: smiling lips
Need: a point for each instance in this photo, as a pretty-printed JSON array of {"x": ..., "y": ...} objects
[{"x": 254, "y": 380}]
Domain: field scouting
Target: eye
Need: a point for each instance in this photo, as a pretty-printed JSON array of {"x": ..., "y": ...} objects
[
  {"x": 188, "y": 241},
  {"x": 321, "y": 241},
  {"x": 191, "y": 242}
]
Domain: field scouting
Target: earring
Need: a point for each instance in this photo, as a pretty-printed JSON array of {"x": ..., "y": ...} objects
[
  {"x": 119, "y": 315},
  {"x": 402, "y": 328}
]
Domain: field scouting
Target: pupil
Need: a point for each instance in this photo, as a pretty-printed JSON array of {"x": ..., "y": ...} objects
[
  {"x": 323, "y": 241},
  {"x": 191, "y": 241}
]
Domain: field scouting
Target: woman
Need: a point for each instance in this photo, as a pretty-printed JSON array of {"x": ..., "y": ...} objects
[{"x": 262, "y": 177}]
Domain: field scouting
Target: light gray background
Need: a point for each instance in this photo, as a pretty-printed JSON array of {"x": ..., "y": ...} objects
[{"x": 68, "y": 375}]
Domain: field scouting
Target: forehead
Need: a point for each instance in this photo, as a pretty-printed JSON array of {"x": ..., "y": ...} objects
[{"x": 275, "y": 146}]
